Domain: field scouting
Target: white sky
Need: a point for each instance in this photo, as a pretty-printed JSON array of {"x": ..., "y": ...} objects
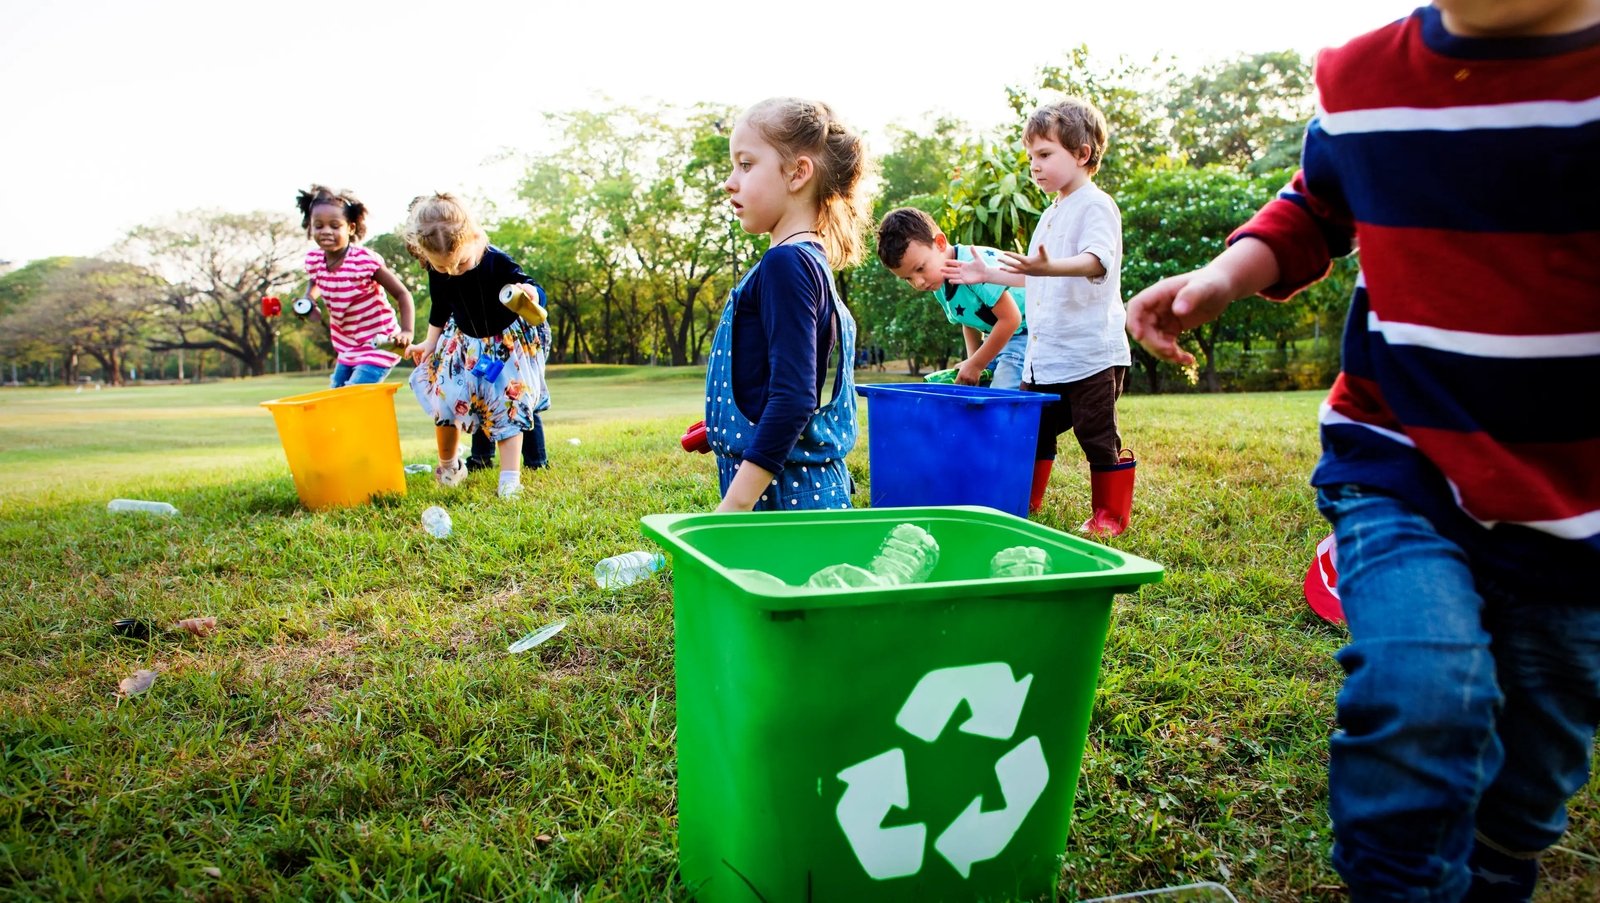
[{"x": 117, "y": 114}]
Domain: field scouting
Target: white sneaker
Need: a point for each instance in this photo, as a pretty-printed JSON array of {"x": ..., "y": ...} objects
[
  {"x": 447, "y": 475},
  {"x": 510, "y": 490}
]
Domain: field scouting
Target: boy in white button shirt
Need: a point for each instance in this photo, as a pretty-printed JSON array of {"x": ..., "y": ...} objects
[{"x": 1078, "y": 349}]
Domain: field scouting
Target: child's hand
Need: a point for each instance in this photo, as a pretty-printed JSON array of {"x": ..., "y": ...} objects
[
  {"x": 970, "y": 373},
  {"x": 1159, "y": 313},
  {"x": 965, "y": 272},
  {"x": 419, "y": 351},
  {"x": 1037, "y": 265}
]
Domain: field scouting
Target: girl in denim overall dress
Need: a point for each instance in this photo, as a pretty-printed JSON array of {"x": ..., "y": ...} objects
[{"x": 779, "y": 432}]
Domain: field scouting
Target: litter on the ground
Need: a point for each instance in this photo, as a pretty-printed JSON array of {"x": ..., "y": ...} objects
[
  {"x": 135, "y": 628},
  {"x": 535, "y": 638},
  {"x": 418, "y": 468},
  {"x": 197, "y": 626},
  {"x": 138, "y": 683},
  {"x": 140, "y": 506}
]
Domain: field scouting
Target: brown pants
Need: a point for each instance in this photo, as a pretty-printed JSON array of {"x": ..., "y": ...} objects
[{"x": 1088, "y": 407}]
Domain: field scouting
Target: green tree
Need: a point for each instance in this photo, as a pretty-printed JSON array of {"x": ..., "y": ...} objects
[
  {"x": 1247, "y": 114},
  {"x": 993, "y": 200},
  {"x": 19, "y": 289},
  {"x": 1177, "y": 219},
  {"x": 637, "y": 247},
  {"x": 219, "y": 266},
  {"x": 907, "y": 324},
  {"x": 84, "y": 306}
]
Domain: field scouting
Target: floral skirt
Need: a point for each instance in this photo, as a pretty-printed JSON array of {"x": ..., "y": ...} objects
[{"x": 453, "y": 395}]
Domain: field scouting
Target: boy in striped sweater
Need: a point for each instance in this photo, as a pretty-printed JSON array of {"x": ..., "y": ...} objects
[{"x": 1456, "y": 149}]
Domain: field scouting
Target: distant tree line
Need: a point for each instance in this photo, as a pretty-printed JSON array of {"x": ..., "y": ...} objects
[{"x": 627, "y": 228}]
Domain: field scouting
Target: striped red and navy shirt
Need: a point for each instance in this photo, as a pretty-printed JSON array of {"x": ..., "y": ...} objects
[
  {"x": 1467, "y": 173},
  {"x": 357, "y": 310}
]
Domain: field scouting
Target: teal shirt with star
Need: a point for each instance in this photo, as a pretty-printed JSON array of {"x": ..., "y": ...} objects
[{"x": 973, "y": 305}]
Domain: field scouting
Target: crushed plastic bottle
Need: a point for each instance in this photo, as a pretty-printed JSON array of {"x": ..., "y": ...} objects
[
  {"x": 436, "y": 521},
  {"x": 843, "y": 576},
  {"x": 1020, "y": 561},
  {"x": 908, "y": 555},
  {"x": 628, "y": 568},
  {"x": 419, "y": 468},
  {"x": 141, "y": 506}
]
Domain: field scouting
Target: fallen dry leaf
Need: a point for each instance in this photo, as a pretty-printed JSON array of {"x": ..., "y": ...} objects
[
  {"x": 197, "y": 626},
  {"x": 213, "y": 871},
  {"x": 542, "y": 839},
  {"x": 138, "y": 683}
]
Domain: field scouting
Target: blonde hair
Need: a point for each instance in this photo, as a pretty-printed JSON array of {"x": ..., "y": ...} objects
[
  {"x": 1073, "y": 122},
  {"x": 796, "y": 128},
  {"x": 440, "y": 225}
]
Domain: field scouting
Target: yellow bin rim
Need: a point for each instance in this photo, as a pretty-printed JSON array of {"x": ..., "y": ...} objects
[{"x": 310, "y": 399}]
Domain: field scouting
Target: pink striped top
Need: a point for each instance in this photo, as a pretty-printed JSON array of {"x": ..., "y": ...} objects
[{"x": 357, "y": 310}]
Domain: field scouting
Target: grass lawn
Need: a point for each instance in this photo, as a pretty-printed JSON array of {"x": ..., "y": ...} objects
[{"x": 355, "y": 730}]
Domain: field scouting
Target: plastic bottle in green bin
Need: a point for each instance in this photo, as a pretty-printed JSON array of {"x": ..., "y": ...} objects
[
  {"x": 1020, "y": 561},
  {"x": 908, "y": 555}
]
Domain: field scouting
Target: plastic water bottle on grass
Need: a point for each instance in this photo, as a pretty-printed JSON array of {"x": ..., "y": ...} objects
[
  {"x": 908, "y": 555},
  {"x": 436, "y": 521},
  {"x": 140, "y": 506},
  {"x": 1020, "y": 561},
  {"x": 627, "y": 569}
]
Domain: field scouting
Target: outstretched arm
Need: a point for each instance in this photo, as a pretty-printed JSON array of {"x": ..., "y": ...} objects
[
  {"x": 1039, "y": 264},
  {"x": 1157, "y": 315},
  {"x": 976, "y": 271},
  {"x": 402, "y": 298}
]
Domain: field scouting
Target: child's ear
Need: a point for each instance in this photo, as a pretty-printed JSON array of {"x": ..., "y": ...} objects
[
  {"x": 1085, "y": 154},
  {"x": 803, "y": 170},
  {"x": 940, "y": 242}
]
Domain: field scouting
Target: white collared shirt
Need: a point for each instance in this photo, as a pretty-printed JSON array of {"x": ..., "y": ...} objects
[{"x": 1076, "y": 325}]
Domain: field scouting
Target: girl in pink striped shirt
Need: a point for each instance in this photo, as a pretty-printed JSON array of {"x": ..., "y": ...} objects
[{"x": 347, "y": 279}]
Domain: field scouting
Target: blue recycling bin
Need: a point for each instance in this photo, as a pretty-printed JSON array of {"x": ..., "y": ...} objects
[{"x": 932, "y": 444}]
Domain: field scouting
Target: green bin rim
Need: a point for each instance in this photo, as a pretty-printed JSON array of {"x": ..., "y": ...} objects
[
  {"x": 941, "y": 390},
  {"x": 1126, "y": 574}
]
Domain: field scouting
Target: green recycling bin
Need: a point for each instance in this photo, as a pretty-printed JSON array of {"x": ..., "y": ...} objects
[{"x": 916, "y": 742}]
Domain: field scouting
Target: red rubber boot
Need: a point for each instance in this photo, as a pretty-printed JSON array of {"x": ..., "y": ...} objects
[
  {"x": 1111, "y": 494},
  {"x": 1041, "y": 479}
]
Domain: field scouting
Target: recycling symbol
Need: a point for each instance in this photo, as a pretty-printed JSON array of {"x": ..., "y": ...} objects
[{"x": 876, "y": 786}]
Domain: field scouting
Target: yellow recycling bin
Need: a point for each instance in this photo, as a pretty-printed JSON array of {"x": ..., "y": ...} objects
[{"x": 343, "y": 445}]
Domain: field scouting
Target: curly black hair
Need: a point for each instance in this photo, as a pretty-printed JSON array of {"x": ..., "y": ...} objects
[{"x": 355, "y": 212}]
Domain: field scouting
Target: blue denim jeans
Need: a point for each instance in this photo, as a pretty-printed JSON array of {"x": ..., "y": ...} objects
[
  {"x": 1467, "y": 715},
  {"x": 357, "y": 375},
  {"x": 1007, "y": 364}
]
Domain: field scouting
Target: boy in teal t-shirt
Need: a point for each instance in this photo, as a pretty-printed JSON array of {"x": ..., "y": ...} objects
[{"x": 992, "y": 317}]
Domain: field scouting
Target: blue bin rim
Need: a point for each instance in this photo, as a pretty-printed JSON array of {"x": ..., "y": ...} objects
[
  {"x": 1125, "y": 574},
  {"x": 974, "y": 395}
]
